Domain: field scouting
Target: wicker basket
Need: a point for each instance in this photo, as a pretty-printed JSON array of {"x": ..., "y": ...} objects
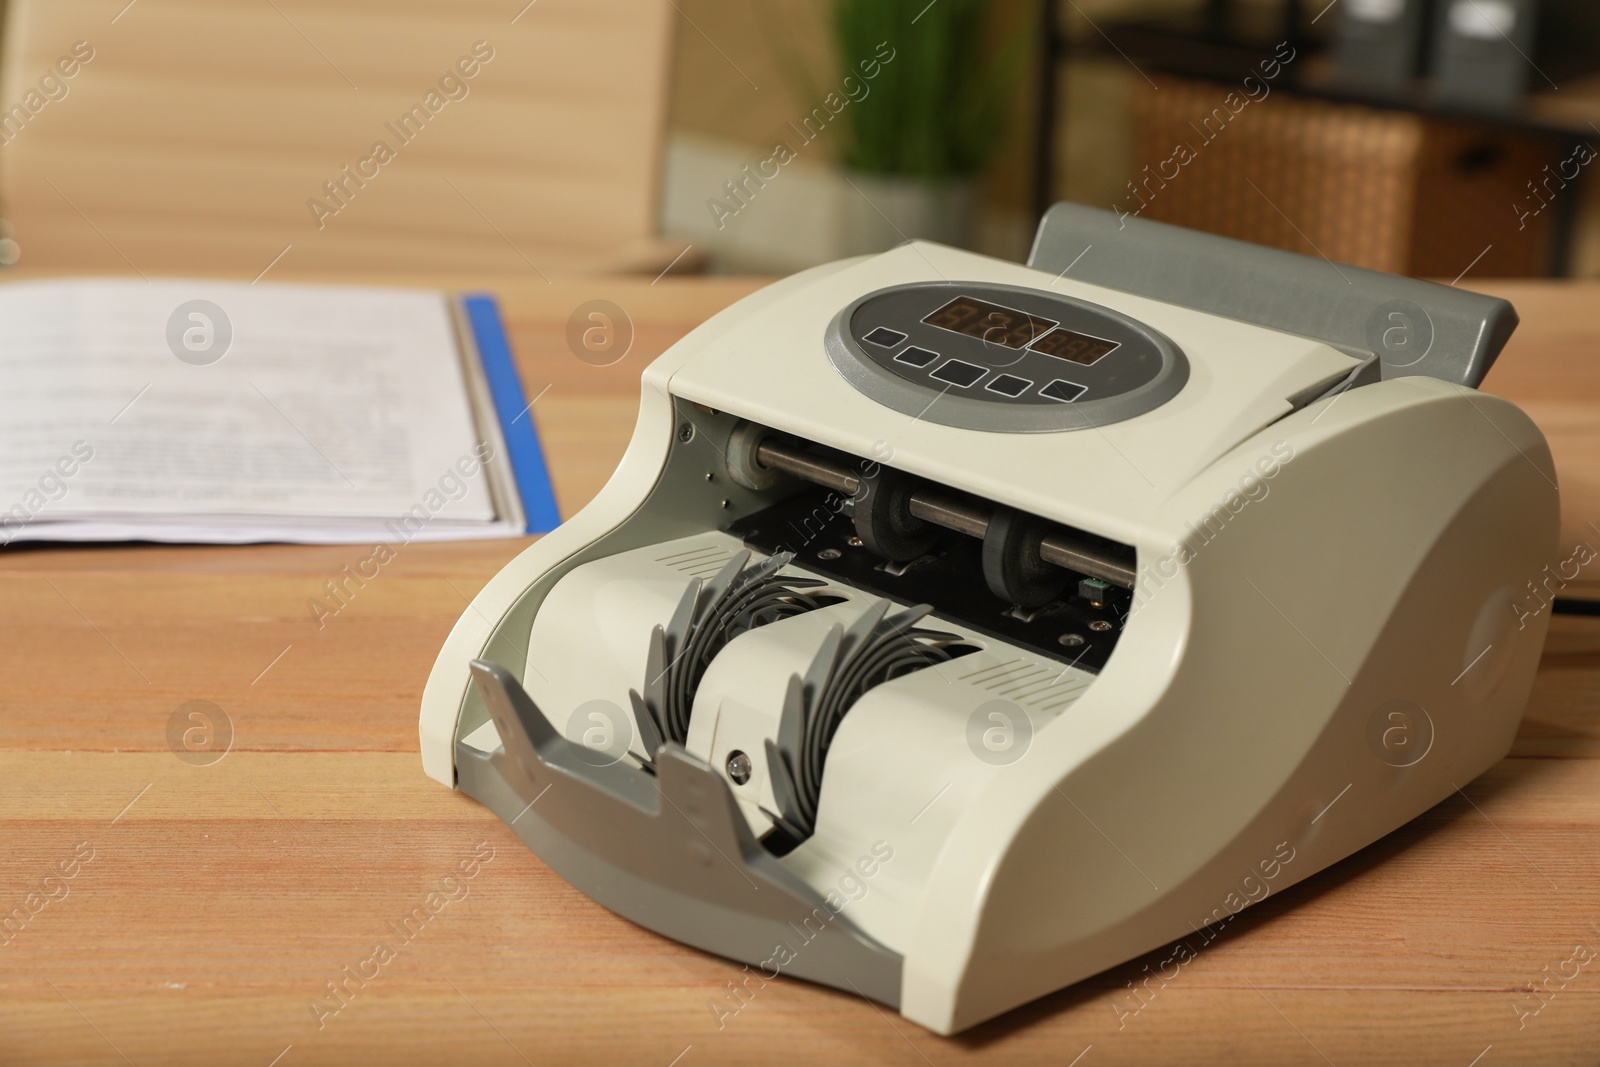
[{"x": 1388, "y": 190}]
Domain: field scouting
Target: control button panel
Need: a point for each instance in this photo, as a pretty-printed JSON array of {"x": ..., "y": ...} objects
[
  {"x": 958, "y": 372},
  {"x": 1008, "y": 385},
  {"x": 916, "y": 357},
  {"x": 1004, "y": 345},
  {"x": 1004, "y": 358},
  {"x": 884, "y": 337},
  {"x": 1063, "y": 390}
]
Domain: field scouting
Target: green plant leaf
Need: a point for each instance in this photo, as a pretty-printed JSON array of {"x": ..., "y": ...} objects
[{"x": 939, "y": 108}]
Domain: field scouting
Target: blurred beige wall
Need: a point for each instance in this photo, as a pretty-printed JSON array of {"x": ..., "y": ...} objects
[{"x": 223, "y": 135}]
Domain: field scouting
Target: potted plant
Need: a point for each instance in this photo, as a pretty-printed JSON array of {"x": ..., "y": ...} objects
[{"x": 926, "y": 124}]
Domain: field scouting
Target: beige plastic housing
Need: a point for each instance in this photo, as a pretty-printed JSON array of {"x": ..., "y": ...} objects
[{"x": 1317, "y": 590}]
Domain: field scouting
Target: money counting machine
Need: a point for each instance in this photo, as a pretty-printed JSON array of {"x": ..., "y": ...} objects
[{"x": 953, "y": 630}]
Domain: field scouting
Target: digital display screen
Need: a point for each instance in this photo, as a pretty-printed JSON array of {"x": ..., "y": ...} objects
[
  {"x": 1077, "y": 347},
  {"x": 990, "y": 323}
]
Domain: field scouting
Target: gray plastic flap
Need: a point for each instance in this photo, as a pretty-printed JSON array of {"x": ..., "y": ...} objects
[
  {"x": 669, "y": 851},
  {"x": 1414, "y": 327}
]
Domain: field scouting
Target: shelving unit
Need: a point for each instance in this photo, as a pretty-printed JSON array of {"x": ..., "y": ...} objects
[{"x": 1223, "y": 40}]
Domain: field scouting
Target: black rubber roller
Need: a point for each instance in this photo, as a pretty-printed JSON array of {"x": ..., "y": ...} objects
[
  {"x": 1011, "y": 564},
  {"x": 883, "y": 517}
]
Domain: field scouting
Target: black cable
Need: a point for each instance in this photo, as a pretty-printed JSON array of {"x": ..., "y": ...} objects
[{"x": 1580, "y": 606}]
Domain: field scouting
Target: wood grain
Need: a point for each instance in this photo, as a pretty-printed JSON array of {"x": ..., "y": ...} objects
[
  {"x": 221, "y": 899},
  {"x": 200, "y": 131}
]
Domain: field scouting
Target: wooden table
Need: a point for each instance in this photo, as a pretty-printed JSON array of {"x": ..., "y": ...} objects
[{"x": 221, "y": 900}]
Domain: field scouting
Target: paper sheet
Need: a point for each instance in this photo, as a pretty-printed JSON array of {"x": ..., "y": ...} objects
[{"x": 126, "y": 404}]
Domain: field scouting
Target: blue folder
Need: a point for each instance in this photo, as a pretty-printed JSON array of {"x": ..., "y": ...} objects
[{"x": 517, "y": 425}]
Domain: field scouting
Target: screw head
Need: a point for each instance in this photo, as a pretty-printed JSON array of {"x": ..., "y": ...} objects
[
  {"x": 1071, "y": 640},
  {"x": 1099, "y": 626},
  {"x": 829, "y": 553},
  {"x": 739, "y": 767},
  {"x": 686, "y": 433}
]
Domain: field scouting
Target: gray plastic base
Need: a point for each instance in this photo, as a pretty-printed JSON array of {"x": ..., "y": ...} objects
[{"x": 670, "y": 852}]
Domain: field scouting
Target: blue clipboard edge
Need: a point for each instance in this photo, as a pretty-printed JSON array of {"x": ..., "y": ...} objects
[{"x": 517, "y": 426}]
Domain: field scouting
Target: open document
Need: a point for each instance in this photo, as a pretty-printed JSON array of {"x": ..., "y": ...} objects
[{"x": 206, "y": 411}]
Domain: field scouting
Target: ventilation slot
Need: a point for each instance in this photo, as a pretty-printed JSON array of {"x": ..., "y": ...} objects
[
  {"x": 703, "y": 562},
  {"x": 1042, "y": 687}
]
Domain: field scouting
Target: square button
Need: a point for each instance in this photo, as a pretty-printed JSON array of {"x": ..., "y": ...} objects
[
  {"x": 885, "y": 337},
  {"x": 959, "y": 372},
  {"x": 917, "y": 357},
  {"x": 1063, "y": 390},
  {"x": 1008, "y": 385}
]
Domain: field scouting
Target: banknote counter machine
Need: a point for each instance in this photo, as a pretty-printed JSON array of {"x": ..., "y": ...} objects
[{"x": 953, "y": 630}]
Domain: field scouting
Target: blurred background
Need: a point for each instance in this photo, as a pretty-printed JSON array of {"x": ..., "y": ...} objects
[{"x": 1425, "y": 137}]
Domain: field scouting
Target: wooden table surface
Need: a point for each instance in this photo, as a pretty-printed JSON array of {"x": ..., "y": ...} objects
[{"x": 210, "y": 906}]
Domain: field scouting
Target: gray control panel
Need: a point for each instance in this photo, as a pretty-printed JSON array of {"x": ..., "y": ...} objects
[{"x": 1000, "y": 357}]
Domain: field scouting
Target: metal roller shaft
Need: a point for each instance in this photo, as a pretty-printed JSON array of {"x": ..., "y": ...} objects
[
  {"x": 949, "y": 512},
  {"x": 805, "y": 466},
  {"x": 944, "y": 509}
]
